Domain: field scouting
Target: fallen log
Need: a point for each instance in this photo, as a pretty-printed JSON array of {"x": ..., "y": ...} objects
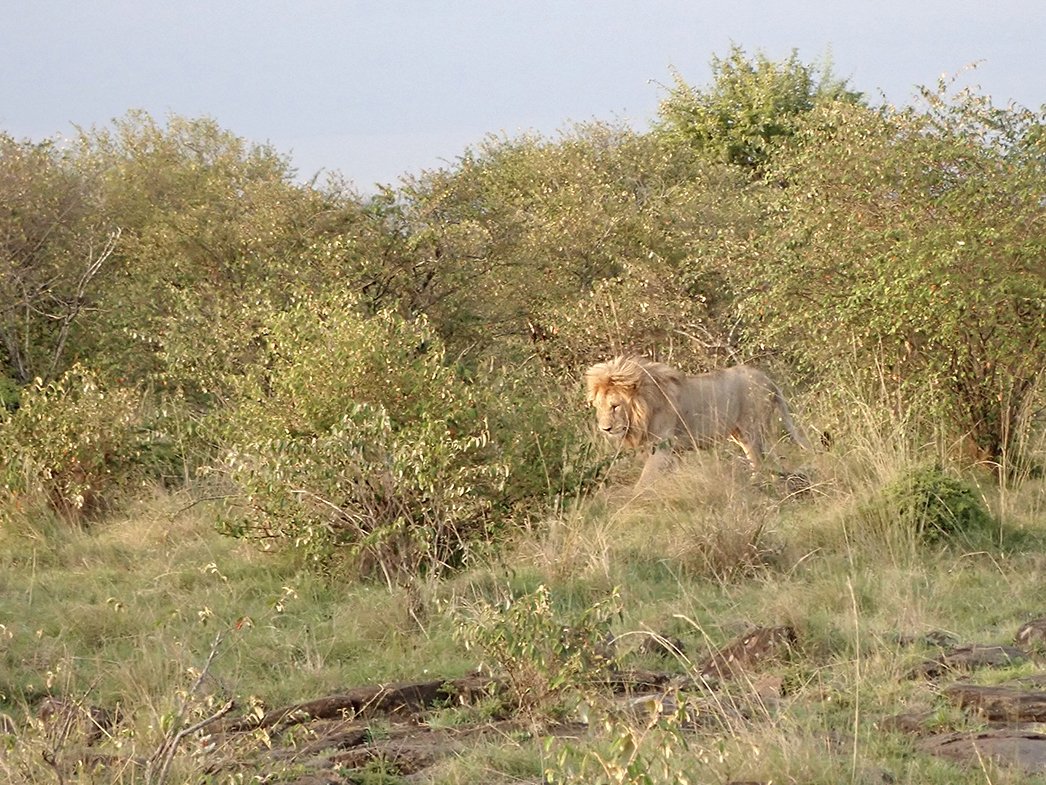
[{"x": 381, "y": 699}]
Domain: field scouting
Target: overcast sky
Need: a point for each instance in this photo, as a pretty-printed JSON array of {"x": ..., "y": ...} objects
[{"x": 377, "y": 88}]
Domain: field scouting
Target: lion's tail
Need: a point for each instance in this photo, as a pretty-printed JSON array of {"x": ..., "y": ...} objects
[{"x": 786, "y": 418}]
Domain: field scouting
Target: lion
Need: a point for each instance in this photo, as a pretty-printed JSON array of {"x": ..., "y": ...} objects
[{"x": 645, "y": 403}]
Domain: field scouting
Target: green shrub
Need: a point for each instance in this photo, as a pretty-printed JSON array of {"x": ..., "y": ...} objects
[
  {"x": 937, "y": 274},
  {"x": 71, "y": 444},
  {"x": 354, "y": 436},
  {"x": 539, "y": 428},
  {"x": 937, "y": 505},
  {"x": 353, "y": 433},
  {"x": 9, "y": 393},
  {"x": 546, "y": 655}
]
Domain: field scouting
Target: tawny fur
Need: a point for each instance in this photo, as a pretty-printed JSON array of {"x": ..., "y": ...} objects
[{"x": 646, "y": 403}]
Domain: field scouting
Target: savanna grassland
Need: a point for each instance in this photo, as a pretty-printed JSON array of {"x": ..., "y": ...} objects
[{"x": 299, "y": 485}]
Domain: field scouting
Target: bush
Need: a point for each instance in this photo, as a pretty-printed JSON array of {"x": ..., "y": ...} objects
[
  {"x": 641, "y": 312},
  {"x": 539, "y": 428},
  {"x": 353, "y": 433},
  {"x": 10, "y": 392},
  {"x": 354, "y": 436},
  {"x": 546, "y": 656},
  {"x": 914, "y": 234},
  {"x": 71, "y": 444},
  {"x": 936, "y": 505}
]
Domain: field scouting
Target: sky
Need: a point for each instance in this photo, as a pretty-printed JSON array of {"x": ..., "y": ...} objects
[{"x": 376, "y": 89}]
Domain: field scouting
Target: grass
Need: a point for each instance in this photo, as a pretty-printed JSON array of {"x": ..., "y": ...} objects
[{"x": 124, "y": 614}]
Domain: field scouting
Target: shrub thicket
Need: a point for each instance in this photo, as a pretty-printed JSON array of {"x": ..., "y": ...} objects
[
  {"x": 355, "y": 433},
  {"x": 71, "y": 444},
  {"x": 901, "y": 247},
  {"x": 549, "y": 658},
  {"x": 397, "y": 374}
]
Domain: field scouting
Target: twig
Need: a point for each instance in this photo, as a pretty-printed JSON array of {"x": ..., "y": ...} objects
[
  {"x": 50, "y": 759},
  {"x": 201, "y": 500},
  {"x": 172, "y": 746},
  {"x": 94, "y": 264},
  {"x": 166, "y": 751},
  {"x": 857, "y": 677}
]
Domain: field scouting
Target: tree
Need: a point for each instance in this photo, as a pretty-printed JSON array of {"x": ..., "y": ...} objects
[
  {"x": 54, "y": 243},
  {"x": 751, "y": 106},
  {"x": 908, "y": 246},
  {"x": 212, "y": 228}
]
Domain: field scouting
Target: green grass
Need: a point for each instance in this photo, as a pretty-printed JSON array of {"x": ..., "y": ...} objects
[
  {"x": 124, "y": 610},
  {"x": 125, "y": 614}
]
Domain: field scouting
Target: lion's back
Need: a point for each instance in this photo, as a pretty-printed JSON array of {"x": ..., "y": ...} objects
[{"x": 715, "y": 404}]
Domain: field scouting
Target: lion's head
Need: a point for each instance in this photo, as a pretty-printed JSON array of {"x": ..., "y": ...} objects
[{"x": 626, "y": 393}]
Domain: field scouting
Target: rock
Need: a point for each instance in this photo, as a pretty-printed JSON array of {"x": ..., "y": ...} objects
[
  {"x": 907, "y": 722},
  {"x": 968, "y": 658},
  {"x": 1011, "y": 702},
  {"x": 748, "y": 650},
  {"x": 1008, "y": 747},
  {"x": 635, "y": 681},
  {"x": 382, "y": 699},
  {"x": 1032, "y": 636},
  {"x": 939, "y": 639},
  {"x": 1033, "y": 681},
  {"x": 795, "y": 483},
  {"x": 646, "y": 706}
]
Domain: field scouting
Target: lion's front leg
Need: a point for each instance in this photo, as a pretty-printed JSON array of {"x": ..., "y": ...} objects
[{"x": 658, "y": 462}]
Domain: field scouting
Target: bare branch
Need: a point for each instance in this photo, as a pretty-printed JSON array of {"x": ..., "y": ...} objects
[
  {"x": 94, "y": 265},
  {"x": 165, "y": 753}
]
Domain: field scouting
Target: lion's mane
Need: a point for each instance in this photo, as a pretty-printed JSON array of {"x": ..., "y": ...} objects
[{"x": 646, "y": 385}]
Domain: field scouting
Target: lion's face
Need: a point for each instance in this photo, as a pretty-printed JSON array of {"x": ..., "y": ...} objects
[{"x": 613, "y": 412}]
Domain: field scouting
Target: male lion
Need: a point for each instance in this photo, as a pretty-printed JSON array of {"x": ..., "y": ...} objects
[{"x": 642, "y": 402}]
